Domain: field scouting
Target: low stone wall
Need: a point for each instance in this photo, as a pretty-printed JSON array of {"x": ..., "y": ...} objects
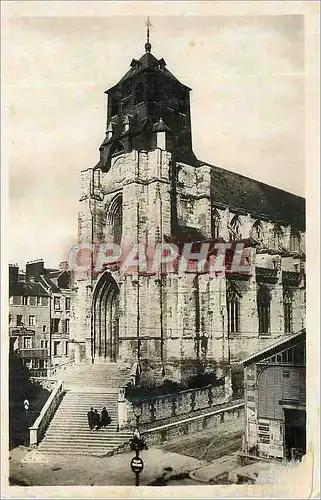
[
  {"x": 49, "y": 384},
  {"x": 183, "y": 403},
  {"x": 160, "y": 434},
  {"x": 37, "y": 430}
]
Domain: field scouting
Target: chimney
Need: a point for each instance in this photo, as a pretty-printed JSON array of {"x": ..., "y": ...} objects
[
  {"x": 13, "y": 273},
  {"x": 34, "y": 269}
]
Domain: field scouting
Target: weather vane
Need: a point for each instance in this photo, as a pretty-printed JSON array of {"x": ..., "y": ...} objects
[{"x": 147, "y": 44}]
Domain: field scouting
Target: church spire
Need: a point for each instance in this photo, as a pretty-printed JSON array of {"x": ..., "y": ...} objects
[{"x": 147, "y": 44}]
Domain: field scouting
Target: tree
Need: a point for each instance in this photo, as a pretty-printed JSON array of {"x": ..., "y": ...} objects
[{"x": 21, "y": 388}]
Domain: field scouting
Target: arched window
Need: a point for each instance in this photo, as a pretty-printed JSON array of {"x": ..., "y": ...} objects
[
  {"x": 277, "y": 237},
  {"x": 115, "y": 219},
  {"x": 287, "y": 309},
  {"x": 235, "y": 229},
  {"x": 216, "y": 225},
  {"x": 263, "y": 307},
  {"x": 295, "y": 239},
  {"x": 233, "y": 310},
  {"x": 257, "y": 231},
  {"x": 139, "y": 93}
]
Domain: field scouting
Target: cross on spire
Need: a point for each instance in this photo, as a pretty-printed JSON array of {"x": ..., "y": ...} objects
[{"x": 147, "y": 44}]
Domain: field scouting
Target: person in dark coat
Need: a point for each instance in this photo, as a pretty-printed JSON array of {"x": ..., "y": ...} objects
[
  {"x": 104, "y": 419},
  {"x": 96, "y": 420},
  {"x": 91, "y": 418}
]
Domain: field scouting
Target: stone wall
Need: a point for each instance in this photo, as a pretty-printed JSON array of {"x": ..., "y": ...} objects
[
  {"x": 182, "y": 403},
  {"x": 159, "y": 435}
]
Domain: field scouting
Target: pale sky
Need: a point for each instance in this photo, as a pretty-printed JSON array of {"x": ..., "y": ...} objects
[{"x": 247, "y": 103}]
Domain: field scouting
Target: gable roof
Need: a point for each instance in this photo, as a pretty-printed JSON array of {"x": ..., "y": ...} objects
[
  {"x": 284, "y": 342},
  {"x": 260, "y": 200}
]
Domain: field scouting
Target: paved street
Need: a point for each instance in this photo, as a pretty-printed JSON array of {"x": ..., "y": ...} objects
[
  {"x": 84, "y": 471},
  {"x": 180, "y": 457}
]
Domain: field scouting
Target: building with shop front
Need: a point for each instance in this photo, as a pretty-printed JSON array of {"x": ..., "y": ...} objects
[
  {"x": 147, "y": 188},
  {"x": 39, "y": 315},
  {"x": 275, "y": 400}
]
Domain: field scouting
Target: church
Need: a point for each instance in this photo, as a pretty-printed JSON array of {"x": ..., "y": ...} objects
[{"x": 148, "y": 187}]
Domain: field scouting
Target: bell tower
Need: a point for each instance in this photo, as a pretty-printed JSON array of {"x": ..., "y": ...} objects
[{"x": 148, "y": 101}]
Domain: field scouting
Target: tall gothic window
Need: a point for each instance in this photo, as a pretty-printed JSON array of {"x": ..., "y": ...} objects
[
  {"x": 116, "y": 219},
  {"x": 235, "y": 228},
  {"x": 287, "y": 306},
  {"x": 295, "y": 239},
  {"x": 263, "y": 307},
  {"x": 233, "y": 310},
  {"x": 216, "y": 225},
  {"x": 257, "y": 231}
]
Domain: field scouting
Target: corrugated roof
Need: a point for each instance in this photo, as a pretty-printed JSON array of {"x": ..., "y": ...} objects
[{"x": 283, "y": 342}]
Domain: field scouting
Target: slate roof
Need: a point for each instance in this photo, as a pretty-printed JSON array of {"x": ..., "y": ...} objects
[
  {"x": 26, "y": 288},
  {"x": 260, "y": 200},
  {"x": 49, "y": 282},
  {"x": 147, "y": 62}
]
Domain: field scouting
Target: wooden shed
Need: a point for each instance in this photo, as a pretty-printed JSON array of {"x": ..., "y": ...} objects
[{"x": 275, "y": 400}]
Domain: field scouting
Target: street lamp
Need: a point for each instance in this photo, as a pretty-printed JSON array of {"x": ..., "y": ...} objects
[{"x": 137, "y": 444}]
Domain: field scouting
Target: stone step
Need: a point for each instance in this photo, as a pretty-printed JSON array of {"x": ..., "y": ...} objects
[
  {"x": 77, "y": 453},
  {"x": 69, "y": 433},
  {"x": 61, "y": 445},
  {"x": 80, "y": 443},
  {"x": 69, "y": 410}
]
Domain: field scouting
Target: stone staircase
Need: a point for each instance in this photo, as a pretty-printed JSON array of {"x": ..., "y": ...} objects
[
  {"x": 87, "y": 385},
  {"x": 69, "y": 433},
  {"x": 103, "y": 375}
]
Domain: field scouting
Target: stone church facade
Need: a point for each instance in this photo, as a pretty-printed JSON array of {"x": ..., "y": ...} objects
[{"x": 148, "y": 187}]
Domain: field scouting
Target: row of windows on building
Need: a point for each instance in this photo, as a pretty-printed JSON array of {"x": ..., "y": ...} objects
[
  {"x": 58, "y": 348},
  {"x": 263, "y": 309},
  {"x": 275, "y": 237},
  {"x": 40, "y": 301},
  {"x": 36, "y": 363},
  {"x": 57, "y": 325}
]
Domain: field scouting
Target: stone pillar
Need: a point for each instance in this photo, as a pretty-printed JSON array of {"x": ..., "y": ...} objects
[
  {"x": 122, "y": 409},
  {"x": 77, "y": 353}
]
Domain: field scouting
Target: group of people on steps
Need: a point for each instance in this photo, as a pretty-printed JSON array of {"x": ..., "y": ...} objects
[{"x": 96, "y": 421}]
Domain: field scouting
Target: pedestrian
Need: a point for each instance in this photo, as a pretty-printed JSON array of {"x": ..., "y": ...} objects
[
  {"x": 104, "y": 419},
  {"x": 91, "y": 418},
  {"x": 96, "y": 420}
]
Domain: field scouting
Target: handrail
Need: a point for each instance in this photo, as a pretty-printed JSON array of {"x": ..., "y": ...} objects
[
  {"x": 57, "y": 367},
  {"x": 37, "y": 429}
]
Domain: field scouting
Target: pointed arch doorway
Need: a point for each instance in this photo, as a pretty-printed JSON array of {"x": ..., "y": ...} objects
[{"x": 105, "y": 338}]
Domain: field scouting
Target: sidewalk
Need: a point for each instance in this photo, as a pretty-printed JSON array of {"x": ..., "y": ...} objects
[
  {"x": 91, "y": 471},
  {"x": 209, "y": 472},
  {"x": 226, "y": 470}
]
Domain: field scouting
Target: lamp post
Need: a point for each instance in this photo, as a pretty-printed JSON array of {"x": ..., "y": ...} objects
[{"x": 137, "y": 444}]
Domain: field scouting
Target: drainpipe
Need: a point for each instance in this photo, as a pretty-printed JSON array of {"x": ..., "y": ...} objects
[
  {"x": 197, "y": 315},
  {"x": 161, "y": 288},
  {"x": 50, "y": 339},
  {"x": 138, "y": 298},
  {"x": 91, "y": 208}
]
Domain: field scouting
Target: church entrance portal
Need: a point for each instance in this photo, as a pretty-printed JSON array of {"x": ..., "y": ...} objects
[{"x": 106, "y": 319}]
